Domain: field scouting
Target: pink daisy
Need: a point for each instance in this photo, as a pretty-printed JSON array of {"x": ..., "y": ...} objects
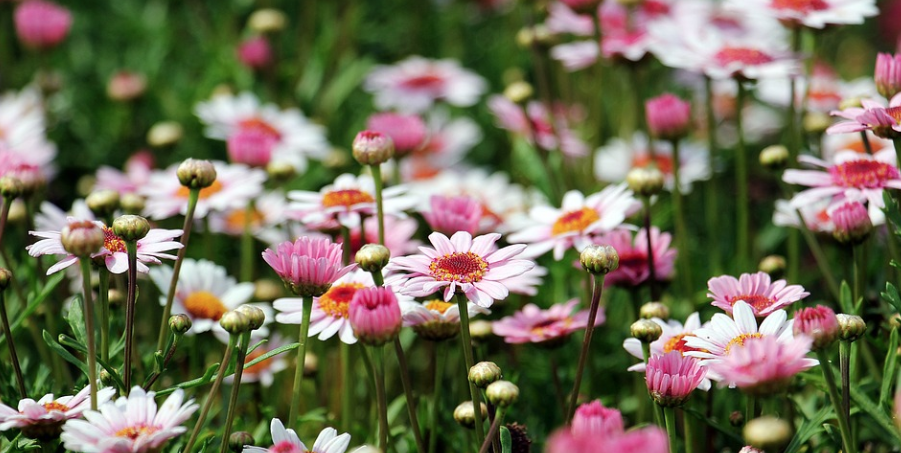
[
  {"x": 234, "y": 187},
  {"x": 593, "y": 419},
  {"x": 643, "y": 440},
  {"x": 672, "y": 339},
  {"x": 449, "y": 141},
  {"x": 757, "y": 290},
  {"x": 633, "y": 267},
  {"x": 534, "y": 325},
  {"x": 308, "y": 266},
  {"x": 286, "y": 441},
  {"x": 534, "y": 124},
  {"x": 816, "y": 215},
  {"x": 808, "y": 13},
  {"x": 41, "y": 24},
  {"x": 346, "y": 200},
  {"x": 138, "y": 169},
  {"x": 764, "y": 365},
  {"x": 269, "y": 211},
  {"x": 460, "y": 264},
  {"x": 884, "y": 121},
  {"x": 132, "y": 424},
  {"x": 44, "y": 418},
  {"x": 399, "y": 235},
  {"x": 672, "y": 377},
  {"x": 416, "y": 83},
  {"x": 574, "y": 223},
  {"x": 408, "y": 132},
  {"x": 23, "y": 142},
  {"x": 450, "y": 214}
]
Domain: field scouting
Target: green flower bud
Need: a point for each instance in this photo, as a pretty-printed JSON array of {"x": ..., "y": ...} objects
[
  {"x": 767, "y": 433},
  {"x": 654, "y": 310},
  {"x": 131, "y": 228},
  {"x": 254, "y": 314},
  {"x": 103, "y": 202},
  {"x": 180, "y": 324},
  {"x": 599, "y": 259},
  {"x": 82, "y": 238},
  {"x": 465, "y": 414},
  {"x": 196, "y": 174},
  {"x": 484, "y": 373},
  {"x": 234, "y": 322},
  {"x": 646, "y": 331},
  {"x": 373, "y": 257},
  {"x": 502, "y": 393},
  {"x": 851, "y": 327}
]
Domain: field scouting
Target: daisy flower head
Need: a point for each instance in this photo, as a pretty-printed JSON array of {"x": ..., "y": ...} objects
[
  {"x": 872, "y": 115},
  {"x": 633, "y": 267},
  {"x": 41, "y": 24},
  {"x": 673, "y": 337},
  {"x": 204, "y": 292},
  {"x": 460, "y": 264},
  {"x": 764, "y": 365},
  {"x": 138, "y": 169},
  {"x": 23, "y": 140},
  {"x": 346, "y": 200},
  {"x": 888, "y": 74},
  {"x": 816, "y": 216},
  {"x": 408, "y": 132},
  {"x": 234, "y": 187},
  {"x": 544, "y": 327},
  {"x": 573, "y": 224},
  {"x": 308, "y": 266},
  {"x": 132, "y": 424},
  {"x": 449, "y": 141},
  {"x": 672, "y": 377},
  {"x": 594, "y": 419},
  {"x": 44, "y": 418},
  {"x": 436, "y": 320},
  {"x": 534, "y": 124},
  {"x": 450, "y": 214},
  {"x": 267, "y": 212},
  {"x": 415, "y": 84},
  {"x": 758, "y": 291},
  {"x": 258, "y": 134},
  {"x": 286, "y": 441},
  {"x": 808, "y": 13}
]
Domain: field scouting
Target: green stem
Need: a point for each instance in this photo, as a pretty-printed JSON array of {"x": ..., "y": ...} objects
[
  {"x": 298, "y": 373},
  {"x": 347, "y": 390},
  {"x": 670, "y": 416},
  {"x": 652, "y": 278},
  {"x": 408, "y": 394},
  {"x": 681, "y": 231},
  {"x": 586, "y": 344},
  {"x": 379, "y": 364},
  {"x": 860, "y": 273},
  {"x": 467, "y": 357},
  {"x": 438, "y": 359},
  {"x": 89, "y": 328},
  {"x": 236, "y": 387},
  {"x": 742, "y": 239},
  {"x": 193, "y": 196},
  {"x": 688, "y": 424},
  {"x": 103, "y": 295},
  {"x": 247, "y": 250},
  {"x": 132, "y": 248},
  {"x": 658, "y": 410},
  {"x": 20, "y": 381},
  {"x": 897, "y": 143},
  {"x": 844, "y": 361},
  {"x": 865, "y": 139},
  {"x": 494, "y": 430},
  {"x": 223, "y": 366},
  {"x": 818, "y": 256},
  {"x": 750, "y": 407},
  {"x": 834, "y": 397},
  {"x": 380, "y": 214},
  {"x": 345, "y": 245},
  {"x": 712, "y": 214}
]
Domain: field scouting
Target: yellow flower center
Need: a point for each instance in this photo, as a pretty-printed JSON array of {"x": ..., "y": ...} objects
[
  {"x": 346, "y": 198},
  {"x": 205, "y": 193},
  {"x": 677, "y": 343},
  {"x": 112, "y": 242},
  {"x": 458, "y": 267},
  {"x": 54, "y": 406},
  {"x": 336, "y": 301},
  {"x": 740, "y": 340},
  {"x": 133, "y": 432},
  {"x": 574, "y": 221},
  {"x": 259, "y": 124},
  {"x": 204, "y": 305},
  {"x": 238, "y": 218},
  {"x": 437, "y": 305}
]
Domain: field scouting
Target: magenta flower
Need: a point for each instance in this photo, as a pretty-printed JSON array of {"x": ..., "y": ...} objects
[
  {"x": 757, "y": 290},
  {"x": 672, "y": 377},
  {"x": 375, "y": 315},
  {"x": 415, "y": 84},
  {"x": 633, "y": 267},
  {"x": 308, "y": 266},
  {"x": 408, "y": 132},
  {"x": 41, "y": 24},
  {"x": 852, "y": 223},
  {"x": 533, "y": 124},
  {"x": 534, "y": 325},
  {"x": 44, "y": 418},
  {"x": 137, "y": 172},
  {"x": 888, "y": 74},
  {"x": 451, "y": 214},
  {"x": 764, "y": 365},
  {"x": 251, "y": 146},
  {"x": 255, "y": 53},
  {"x": 885, "y": 122},
  {"x": 644, "y": 440},
  {"x": 593, "y": 419},
  {"x": 460, "y": 264},
  {"x": 668, "y": 117},
  {"x": 819, "y": 323},
  {"x": 287, "y": 441}
]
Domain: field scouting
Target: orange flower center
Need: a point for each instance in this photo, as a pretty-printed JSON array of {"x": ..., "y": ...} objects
[
  {"x": 804, "y": 6},
  {"x": 575, "y": 221},
  {"x": 740, "y": 340},
  {"x": 663, "y": 163},
  {"x": 458, "y": 267},
  {"x": 894, "y": 112},
  {"x": 543, "y": 328},
  {"x": 238, "y": 218},
  {"x": 346, "y": 198},
  {"x": 677, "y": 343},
  {"x": 863, "y": 174},
  {"x": 439, "y": 306},
  {"x": 758, "y": 301},
  {"x": 112, "y": 242},
  {"x": 742, "y": 55},
  {"x": 133, "y": 432},
  {"x": 54, "y": 406},
  {"x": 258, "y": 124},
  {"x": 336, "y": 301},
  {"x": 204, "y": 305},
  {"x": 858, "y": 146},
  {"x": 205, "y": 193}
]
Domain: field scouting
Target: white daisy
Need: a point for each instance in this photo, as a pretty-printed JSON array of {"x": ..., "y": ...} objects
[{"x": 234, "y": 187}]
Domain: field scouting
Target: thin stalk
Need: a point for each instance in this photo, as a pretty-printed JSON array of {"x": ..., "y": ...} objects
[
  {"x": 844, "y": 361},
  {"x": 345, "y": 245},
  {"x": 379, "y": 365},
  {"x": 103, "y": 296},
  {"x": 247, "y": 251},
  {"x": 681, "y": 230},
  {"x": 897, "y": 143},
  {"x": 89, "y": 328},
  {"x": 193, "y": 196},
  {"x": 298, "y": 373},
  {"x": 866, "y": 142},
  {"x": 438, "y": 365},
  {"x": 794, "y": 145},
  {"x": 236, "y": 387},
  {"x": 742, "y": 240},
  {"x": 379, "y": 211},
  {"x": 20, "y": 381},
  {"x": 466, "y": 342},
  {"x": 347, "y": 391},
  {"x": 4, "y": 215},
  {"x": 166, "y": 360},
  {"x": 223, "y": 366},
  {"x": 132, "y": 248},
  {"x": 652, "y": 278},
  {"x": 494, "y": 430},
  {"x": 586, "y": 344},
  {"x": 688, "y": 424},
  {"x": 408, "y": 394},
  {"x": 658, "y": 410},
  {"x": 712, "y": 213},
  {"x": 819, "y": 257},
  {"x": 834, "y": 397},
  {"x": 750, "y": 407},
  {"x": 558, "y": 387},
  {"x": 858, "y": 254},
  {"x": 670, "y": 416}
]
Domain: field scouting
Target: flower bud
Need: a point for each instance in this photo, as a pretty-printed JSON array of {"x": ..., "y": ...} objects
[
  {"x": 310, "y": 364},
  {"x": 267, "y": 20},
  {"x": 131, "y": 228},
  {"x": 164, "y": 133},
  {"x": 280, "y": 171},
  {"x": 484, "y": 373},
  {"x": 774, "y": 265},
  {"x": 115, "y": 297},
  {"x": 888, "y": 74},
  {"x": 851, "y": 327},
  {"x": 465, "y": 414},
  {"x": 774, "y": 157},
  {"x": 736, "y": 418},
  {"x": 502, "y": 393},
  {"x": 196, "y": 174},
  {"x": 819, "y": 323},
  {"x": 518, "y": 92},
  {"x": 852, "y": 223},
  {"x": 238, "y": 440},
  {"x": 256, "y": 54},
  {"x": 480, "y": 329},
  {"x": 750, "y": 449},
  {"x": 373, "y": 147},
  {"x": 82, "y": 238},
  {"x": 234, "y": 322},
  {"x": 767, "y": 433},
  {"x": 645, "y": 181},
  {"x": 17, "y": 212},
  {"x": 41, "y": 24},
  {"x": 132, "y": 203},
  {"x": 599, "y": 259},
  {"x": 10, "y": 187},
  {"x": 646, "y": 331},
  {"x": 267, "y": 290},
  {"x": 103, "y": 202},
  {"x": 374, "y": 315},
  {"x": 254, "y": 315},
  {"x": 336, "y": 158},
  {"x": 525, "y": 37},
  {"x": 668, "y": 117},
  {"x": 373, "y": 257},
  {"x": 654, "y": 310},
  {"x": 5, "y": 278},
  {"x": 106, "y": 378},
  {"x": 126, "y": 86},
  {"x": 816, "y": 122},
  {"x": 180, "y": 324}
]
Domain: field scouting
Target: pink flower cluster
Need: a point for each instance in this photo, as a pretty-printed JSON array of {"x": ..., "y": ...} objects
[{"x": 599, "y": 429}]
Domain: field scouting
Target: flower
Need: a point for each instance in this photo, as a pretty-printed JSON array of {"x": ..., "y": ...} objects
[
  {"x": 763, "y": 365},
  {"x": 265, "y": 216},
  {"x": 416, "y": 83},
  {"x": 451, "y": 214},
  {"x": 308, "y": 266},
  {"x": 255, "y": 53},
  {"x": 548, "y": 327},
  {"x": 204, "y": 292},
  {"x": 374, "y": 314},
  {"x": 345, "y": 200},
  {"x": 888, "y": 74},
  {"x": 408, "y": 132},
  {"x": 131, "y": 424},
  {"x": 41, "y": 24},
  {"x": 671, "y": 339},
  {"x": 644, "y": 440},
  {"x": 293, "y": 137},
  {"x": 633, "y": 267},
  {"x": 24, "y": 148},
  {"x": 593, "y": 419},
  {"x": 761, "y": 294},
  {"x": 672, "y": 377},
  {"x": 44, "y": 418},
  {"x": 436, "y": 320},
  {"x": 234, "y": 187},
  {"x": 852, "y": 222},
  {"x": 808, "y": 13},
  {"x": 471, "y": 266},
  {"x": 836, "y": 143},
  {"x": 668, "y": 116},
  {"x": 149, "y": 249},
  {"x": 286, "y": 441},
  {"x": 819, "y": 324},
  {"x": 550, "y": 128},
  {"x": 449, "y": 141},
  {"x": 399, "y": 235},
  {"x": 138, "y": 169},
  {"x": 872, "y": 115},
  {"x": 574, "y": 223}
]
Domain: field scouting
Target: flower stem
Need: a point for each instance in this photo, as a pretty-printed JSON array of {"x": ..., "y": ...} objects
[
  {"x": 223, "y": 366},
  {"x": 494, "y": 430},
  {"x": 681, "y": 231},
  {"x": 301, "y": 356},
  {"x": 818, "y": 256},
  {"x": 132, "y": 248},
  {"x": 670, "y": 416},
  {"x": 849, "y": 446},
  {"x": 652, "y": 277},
  {"x": 89, "y": 328},
  {"x": 750, "y": 407},
  {"x": 844, "y": 361},
  {"x": 347, "y": 390},
  {"x": 408, "y": 394},
  {"x": 897, "y": 143},
  {"x": 688, "y": 424},
  {"x": 438, "y": 359},
  {"x": 858, "y": 253},
  {"x": 586, "y": 343},
  {"x": 658, "y": 410},
  {"x": 103, "y": 295},
  {"x": 345, "y": 245},
  {"x": 379, "y": 365},
  {"x": 710, "y": 199},
  {"x": 193, "y": 196},
  {"x": 742, "y": 241},
  {"x": 20, "y": 381},
  {"x": 380, "y": 214},
  {"x": 865, "y": 139},
  {"x": 467, "y": 357},
  {"x": 247, "y": 251},
  {"x": 236, "y": 387}
]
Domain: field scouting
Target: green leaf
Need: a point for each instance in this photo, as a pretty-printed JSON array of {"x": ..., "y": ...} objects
[
  {"x": 891, "y": 296},
  {"x": 808, "y": 429},
  {"x": 114, "y": 373},
  {"x": 529, "y": 164},
  {"x": 75, "y": 319},
  {"x": 57, "y": 348},
  {"x": 714, "y": 424},
  {"x": 271, "y": 354},
  {"x": 888, "y": 371},
  {"x": 206, "y": 378},
  {"x": 863, "y": 403},
  {"x": 506, "y": 440},
  {"x": 846, "y": 300},
  {"x": 34, "y": 304}
]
